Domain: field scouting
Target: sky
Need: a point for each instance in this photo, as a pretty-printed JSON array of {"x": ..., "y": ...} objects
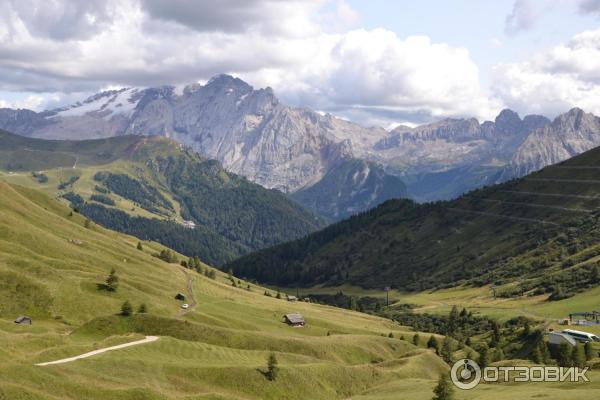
[{"x": 375, "y": 62}]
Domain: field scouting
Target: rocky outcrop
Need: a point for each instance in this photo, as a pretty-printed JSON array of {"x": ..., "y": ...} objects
[{"x": 568, "y": 135}]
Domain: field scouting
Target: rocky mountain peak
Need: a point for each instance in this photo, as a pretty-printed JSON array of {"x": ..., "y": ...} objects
[{"x": 508, "y": 122}]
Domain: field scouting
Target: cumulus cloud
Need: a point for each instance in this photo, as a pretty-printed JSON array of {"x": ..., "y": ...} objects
[
  {"x": 372, "y": 76},
  {"x": 554, "y": 80},
  {"x": 59, "y": 20},
  {"x": 378, "y": 72}
]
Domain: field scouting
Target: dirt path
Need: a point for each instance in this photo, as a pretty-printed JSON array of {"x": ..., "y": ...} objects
[
  {"x": 148, "y": 339},
  {"x": 190, "y": 292}
]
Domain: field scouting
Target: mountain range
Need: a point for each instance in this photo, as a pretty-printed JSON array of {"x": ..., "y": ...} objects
[{"x": 312, "y": 156}]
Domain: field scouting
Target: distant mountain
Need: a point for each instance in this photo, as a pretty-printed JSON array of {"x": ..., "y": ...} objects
[
  {"x": 350, "y": 187},
  {"x": 538, "y": 234},
  {"x": 568, "y": 135},
  {"x": 292, "y": 149},
  {"x": 147, "y": 187},
  {"x": 249, "y": 131}
]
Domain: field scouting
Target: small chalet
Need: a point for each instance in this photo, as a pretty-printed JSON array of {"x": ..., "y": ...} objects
[
  {"x": 292, "y": 298},
  {"x": 296, "y": 320},
  {"x": 179, "y": 296},
  {"x": 23, "y": 320}
]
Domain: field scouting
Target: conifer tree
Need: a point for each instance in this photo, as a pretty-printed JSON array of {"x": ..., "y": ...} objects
[
  {"x": 444, "y": 389},
  {"x": 112, "y": 281},
  {"x": 578, "y": 358},
  {"x": 416, "y": 339},
  {"x": 589, "y": 351},
  {"x": 447, "y": 350},
  {"x": 126, "y": 309},
  {"x": 272, "y": 367}
]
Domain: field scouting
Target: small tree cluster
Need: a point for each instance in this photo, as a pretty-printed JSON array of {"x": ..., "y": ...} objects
[
  {"x": 195, "y": 264},
  {"x": 127, "y": 309},
  {"x": 168, "y": 255}
]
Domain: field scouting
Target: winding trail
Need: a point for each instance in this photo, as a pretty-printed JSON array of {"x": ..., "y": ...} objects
[
  {"x": 148, "y": 339},
  {"x": 190, "y": 292}
]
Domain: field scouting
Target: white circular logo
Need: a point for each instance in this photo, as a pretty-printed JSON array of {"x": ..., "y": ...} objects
[{"x": 465, "y": 374}]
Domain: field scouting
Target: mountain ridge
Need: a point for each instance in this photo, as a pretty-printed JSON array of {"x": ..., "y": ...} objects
[{"x": 291, "y": 149}]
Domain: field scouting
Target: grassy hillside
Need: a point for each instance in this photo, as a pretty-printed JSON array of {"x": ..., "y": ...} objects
[
  {"x": 51, "y": 264},
  {"x": 147, "y": 186},
  {"x": 533, "y": 236}
]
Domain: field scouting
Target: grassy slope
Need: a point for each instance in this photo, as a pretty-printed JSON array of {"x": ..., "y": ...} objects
[
  {"x": 216, "y": 351},
  {"x": 527, "y": 228}
]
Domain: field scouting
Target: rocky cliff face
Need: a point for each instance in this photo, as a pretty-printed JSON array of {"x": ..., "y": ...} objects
[
  {"x": 454, "y": 143},
  {"x": 292, "y": 149},
  {"x": 568, "y": 135},
  {"x": 350, "y": 187}
]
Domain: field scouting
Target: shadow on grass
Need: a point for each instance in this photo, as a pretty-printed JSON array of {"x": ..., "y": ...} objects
[{"x": 104, "y": 287}]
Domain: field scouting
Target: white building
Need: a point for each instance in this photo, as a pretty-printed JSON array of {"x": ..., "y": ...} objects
[{"x": 189, "y": 224}]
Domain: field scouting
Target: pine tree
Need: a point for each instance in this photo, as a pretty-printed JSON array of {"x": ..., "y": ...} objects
[
  {"x": 112, "y": 281},
  {"x": 416, "y": 339},
  {"x": 278, "y": 295},
  {"x": 495, "y": 334},
  {"x": 139, "y": 246},
  {"x": 444, "y": 389},
  {"x": 272, "y": 368},
  {"x": 87, "y": 224},
  {"x": 391, "y": 335},
  {"x": 484, "y": 358},
  {"x": 126, "y": 309},
  {"x": 432, "y": 343},
  {"x": 447, "y": 350},
  {"x": 578, "y": 358},
  {"x": 142, "y": 309},
  {"x": 536, "y": 355},
  {"x": 452, "y": 322},
  {"x": 564, "y": 355},
  {"x": 589, "y": 351}
]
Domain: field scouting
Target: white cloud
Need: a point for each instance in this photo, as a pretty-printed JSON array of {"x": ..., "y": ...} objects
[
  {"x": 554, "y": 80},
  {"x": 368, "y": 75}
]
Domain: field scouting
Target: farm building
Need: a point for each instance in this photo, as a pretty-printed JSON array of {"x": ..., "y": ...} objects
[
  {"x": 294, "y": 319},
  {"x": 180, "y": 296},
  {"x": 292, "y": 298},
  {"x": 23, "y": 320}
]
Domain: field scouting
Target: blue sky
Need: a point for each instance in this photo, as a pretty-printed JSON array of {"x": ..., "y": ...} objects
[
  {"x": 475, "y": 24},
  {"x": 377, "y": 62}
]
